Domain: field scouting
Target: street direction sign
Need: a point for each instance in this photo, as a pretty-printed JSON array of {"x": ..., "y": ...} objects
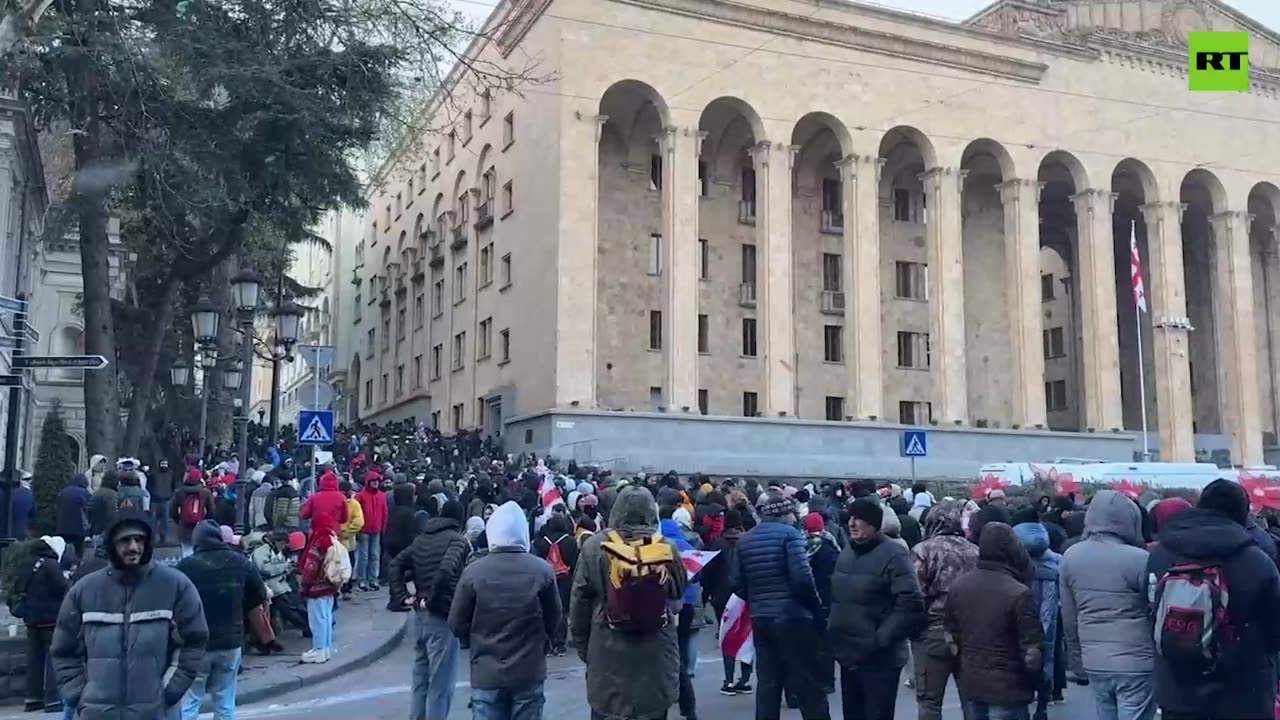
[
  {"x": 10, "y": 380},
  {"x": 8, "y": 304},
  {"x": 915, "y": 443},
  {"x": 315, "y": 427},
  {"x": 84, "y": 362},
  {"x": 8, "y": 342}
]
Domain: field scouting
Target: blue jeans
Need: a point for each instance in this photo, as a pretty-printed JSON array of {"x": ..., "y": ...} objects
[
  {"x": 525, "y": 704},
  {"x": 160, "y": 519},
  {"x": 435, "y": 667},
  {"x": 985, "y": 711},
  {"x": 320, "y": 619},
  {"x": 368, "y": 557},
  {"x": 218, "y": 671},
  {"x": 1123, "y": 696}
]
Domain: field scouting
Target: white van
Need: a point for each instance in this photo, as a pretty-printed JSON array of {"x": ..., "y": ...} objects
[{"x": 1192, "y": 476}]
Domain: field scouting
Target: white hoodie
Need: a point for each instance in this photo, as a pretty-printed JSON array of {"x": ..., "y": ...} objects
[{"x": 508, "y": 527}]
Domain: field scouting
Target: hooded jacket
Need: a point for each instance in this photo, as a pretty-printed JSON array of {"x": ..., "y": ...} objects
[
  {"x": 352, "y": 526},
  {"x": 373, "y": 503},
  {"x": 227, "y": 582},
  {"x": 47, "y": 586},
  {"x": 326, "y": 508},
  {"x": 1245, "y": 686},
  {"x": 434, "y": 562},
  {"x": 259, "y": 503},
  {"x": 628, "y": 676},
  {"x": 102, "y": 508},
  {"x": 875, "y": 604},
  {"x": 716, "y": 575},
  {"x": 1045, "y": 568},
  {"x": 94, "y": 474},
  {"x": 273, "y": 567},
  {"x": 1104, "y": 591},
  {"x": 674, "y": 534},
  {"x": 942, "y": 557},
  {"x": 71, "y": 508},
  {"x": 190, "y": 484},
  {"x": 128, "y": 642},
  {"x": 506, "y": 607},
  {"x": 991, "y": 624},
  {"x": 286, "y": 507},
  {"x": 400, "y": 523}
]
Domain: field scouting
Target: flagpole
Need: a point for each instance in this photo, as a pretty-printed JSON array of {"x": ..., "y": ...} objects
[{"x": 1142, "y": 372}]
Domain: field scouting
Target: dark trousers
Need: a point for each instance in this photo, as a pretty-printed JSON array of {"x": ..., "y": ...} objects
[
  {"x": 41, "y": 684},
  {"x": 785, "y": 659},
  {"x": 564, "y": 584},
  {"x": 684, "y": 634},
  {"x": 933, "y": 667},
  {"x": 869, "y": 694}
]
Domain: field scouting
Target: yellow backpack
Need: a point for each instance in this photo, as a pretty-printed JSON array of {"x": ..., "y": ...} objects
[{"x": 637, "y": 588}]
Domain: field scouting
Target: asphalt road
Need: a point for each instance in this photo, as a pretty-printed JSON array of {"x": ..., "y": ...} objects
[{"x": 381, "y": 692}]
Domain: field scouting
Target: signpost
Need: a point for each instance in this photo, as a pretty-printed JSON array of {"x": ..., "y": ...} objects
[
  {"x": 10, "y": 381},
  {"x": 85, "y": 362},
  {"x": 14, "y": 305},
  {"x": 915, "y": 443},
  {"x": 17, "y": 306},
  {"x": 315, "y": 427}
]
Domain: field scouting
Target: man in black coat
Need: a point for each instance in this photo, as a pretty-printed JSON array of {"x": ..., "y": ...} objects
[{"x": 1243, "y": 685}]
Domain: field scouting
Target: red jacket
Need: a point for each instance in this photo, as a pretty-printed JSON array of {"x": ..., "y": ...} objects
[
  {"x": 326, "y": 508},
  {"x": 373, "y": 503}
]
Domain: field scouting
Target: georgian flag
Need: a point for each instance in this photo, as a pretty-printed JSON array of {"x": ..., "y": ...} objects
[
  {"x": 736, "y": 640},
  {"x": 1135, "y": 270},
  {"x": 695, "y": 560}
]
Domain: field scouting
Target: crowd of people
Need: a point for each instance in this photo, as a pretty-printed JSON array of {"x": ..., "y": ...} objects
[{"x": 1149, "y": 601}]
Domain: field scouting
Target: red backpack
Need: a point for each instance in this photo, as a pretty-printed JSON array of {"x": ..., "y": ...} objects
[
  {"x": 193, "y": 509},
  {"x": 558, "y": 565}
]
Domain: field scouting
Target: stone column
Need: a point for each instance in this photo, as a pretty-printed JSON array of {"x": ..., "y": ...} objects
[
  {"x": 680, "y": 148},
  {"x": 943, "y": 187},
  {"x": 1271, "y": 278},
  {"x": 773, "y": 163},
  {"x": 1170, "y": 344},
  {"x": 1233, "y": 301},
  {"x": 576, "y": 316},
  {"x": 860, "y": 177},
  {"x": 1100, "y": 371},
  {"x": 1021, "y": 199}
]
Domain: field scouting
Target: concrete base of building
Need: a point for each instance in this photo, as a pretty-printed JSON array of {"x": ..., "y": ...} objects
[{"x": 629, "y": 442}]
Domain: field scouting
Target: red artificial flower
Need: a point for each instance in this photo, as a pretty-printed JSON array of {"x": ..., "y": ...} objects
[
  {"x": 987, "y": 484},
  {"x": 1128, "y": 487},
  {"x": 1263, "y": 492}
]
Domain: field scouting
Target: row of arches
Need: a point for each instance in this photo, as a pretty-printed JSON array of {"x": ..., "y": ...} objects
[{"x": 731, "y": 131}]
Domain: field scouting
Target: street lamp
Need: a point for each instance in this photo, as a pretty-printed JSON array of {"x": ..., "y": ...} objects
[
  {"x": 232, "y": 375},
  {"x": 244, "y": 290},
  {"x": 179, "y": 374},
  {"x": 288, "y": 320},
  {"x": 204, "y": 321}
]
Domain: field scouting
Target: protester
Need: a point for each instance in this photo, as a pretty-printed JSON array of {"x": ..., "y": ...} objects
[
  {"x": 103, "y": 506},
  {"x": 1219, "y": 659},
  {"x": 1045, "y": 565},
  {"x": 991, "y": 623},
  {"x": 875, "y": 608},
  {"x": 505, "y": 608},
  {"x": 71, "y": 513},
  {"x": 286, "y": 505},
  {"x": 191, "y": 504},
  {"x": 130, "y": 636},
  {"x": 717, "y": 578},
  {"x": 772, "y": 574},
  {"x": 326, "y": 508},
  {"x": 97, "y": 472},
  {"x": 434, "y": 563},
  {"x": 24, "y": 506},
  {"x": 260, "y": 501},
  {"x": 559, "y": 548},
  {"x": 373, "y": 504},
  {"x": 823, "y": 552},
  {"x": 229, "y": 586},
  {"x": 350, "y": 527},
  {"x": 676, "y": 525},
  {"x": 1103, "y": 584},
  {"x": 35, "y": 597},
  {"x": 627, "y": 592},
  {"x": 318, "y": 591}
]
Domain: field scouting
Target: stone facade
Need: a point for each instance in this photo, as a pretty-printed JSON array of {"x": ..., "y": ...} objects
[{"x": 838, "y": 212}]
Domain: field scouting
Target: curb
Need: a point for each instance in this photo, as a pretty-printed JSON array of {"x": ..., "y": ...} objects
[{"x": 330, "y": 671}]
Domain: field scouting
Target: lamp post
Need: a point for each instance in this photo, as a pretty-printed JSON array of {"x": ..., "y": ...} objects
[
  {"x": 288, "y": 320},
  {"x": 204, "y": 327},
  {"x": 245, "y": 286}
]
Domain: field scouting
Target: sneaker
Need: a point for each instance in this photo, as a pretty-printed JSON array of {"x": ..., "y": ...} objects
[
  {"x": 742, "y": 687},
  {"x": 315, "y": 656},
  {"x": 727, "y": 689}
]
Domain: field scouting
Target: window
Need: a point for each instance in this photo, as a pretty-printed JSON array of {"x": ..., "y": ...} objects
[
  {"x": 386, "y": 213},
  {"x": 435, "y": 162},
  {"x": 372, "y": 343},
  {"x": 508, "y": 199},
  {"x": 655, "y": 329},
  {"x": 466, "y": 127},
  {"x": 703, "y": 345},
  {"x": 462, "y": 213},
  {"x": 831, "y": 200},
  {"x": 655, "y": 254},
  {"x": 911, "y": 412},
  {"x": 506, "y": 270},
  {"x": 486, "y": 264},
  {"x": 460, "y": 283},
  {"x": 386, "y": 331},
  {"x": 1055, "y": 396},
  {"x": 835, "y": 408},
  {"x": 418, "y": 311},
  {"x": 1046, "y": 287},
  {"x": 911, "y": 280},
  {"x": 401, "y": 323},
  {"x": 459, "y": 346},
  {"x": 655, "y": 398},
  {"x": 486, "y": 105},
  {"x": 488, "y": 187},
  {"x": 750, "y": 404},
  {"x": 702, "y": 401},
  {"x": 358, "y": 311},
  {"x": 831, "y": 275},
  {"x": 451, "y": 146},
  {"x": 504, "y": 345},
  {"x": 902, "y": 205},
  {"x": 749, "y": 337},
  {"x": 417, "y": 371},
  {"x": 382, "y": 388},
  {"x": 368, "y": 394},
  {"x": 412, "y": 181},
  {"x": 749, "y": 263},
  {"x": 485, "y": 340},
  {"x": 1054, "y": 344},
  {"x": 435, "y": 420},
  {"x": 399, "y": 205},
  {"x": 422, "y": 178},
  {"x": 655, "y": 171},
  {"x": 437, "y": 298},
  {"x": 833, "y": 343},
  {"x": 399, "y": 380},
  {"x": 913, "y": 350},
  {"x": 457, "y": 416},
  {"x": 749, "y": 187},
  {"x": 704, "y": 259},
  {"x": 508, "y": 130},
  {"x": 436, "y": 352},
  {"x": 704, "y": 186}
]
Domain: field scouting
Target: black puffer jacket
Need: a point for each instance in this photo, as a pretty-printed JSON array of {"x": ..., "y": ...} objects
[
  {"x": 46, "y": 586},
  {"x": 434, "y": 562},
  {"x": 771, "y": 572},
  {"x": 876, "y": 605}
]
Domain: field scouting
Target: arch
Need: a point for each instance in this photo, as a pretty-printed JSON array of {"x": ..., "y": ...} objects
[
  {"x": 732, "y": 128},
  {"x": 814, "y": 123},
  {"x": 460, "y": 184},
  {"x": 1200, "y": 185},
  {"x": 636, "y": 115},
  {"x": 404, "y": 235},
  {"x": 484, "y": 161},
  {"x": 418, "y": 227},
  {"x": 718, "y": 112},
  {"x": 985, "y": 152},
  {"x": 823, "y": 140},
  {"x": 1136, "y": 175},
  {"x": 1062, "y": 166},
  {"x": 903, "y": 135}
]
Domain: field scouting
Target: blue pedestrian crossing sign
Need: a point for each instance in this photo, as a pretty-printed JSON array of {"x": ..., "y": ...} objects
[
  {"x": 315, "y": 427},
  {"x": 915, "y": 443}
]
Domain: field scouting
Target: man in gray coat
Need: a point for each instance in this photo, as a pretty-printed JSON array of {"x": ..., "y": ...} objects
[
  {"x": 1105, "y": 609},
  {"x": 130, "y": 636}
]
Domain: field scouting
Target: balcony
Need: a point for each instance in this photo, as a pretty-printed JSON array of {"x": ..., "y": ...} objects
[
  {"x": 459, "y": 237},
  {"x": 747, "y": 212},
  {"x": 484, "y": 215},
  {"x": 437, "y": 256},
  {"x": 355, "y": 277},
  {"x": 832, "y": 222},
  {"x": 419, "y": 269},
  {"x": 747, "y": 294},
  {"x": 832, "y": 302},
  {"x": 384, "y": 297},
  {"x": 400, "y": 288}
]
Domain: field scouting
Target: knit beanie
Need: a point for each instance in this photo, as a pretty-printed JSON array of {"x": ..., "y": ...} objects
[
  {"x": 813, "y": 523},
  {"x": 774, "y": 503},
  {"x": 1226, "y": 497},
  {"x": 868, "y": 511}
]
